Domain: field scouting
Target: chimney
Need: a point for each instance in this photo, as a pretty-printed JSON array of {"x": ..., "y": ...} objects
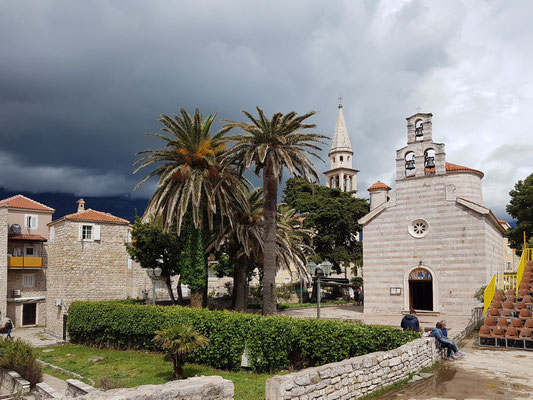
[
  {"x": 81, "y": 205},
  {"x": 378, "y": 194}
]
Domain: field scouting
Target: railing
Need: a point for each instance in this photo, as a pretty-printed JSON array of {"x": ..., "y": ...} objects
[{"x": 24, "y": 262}]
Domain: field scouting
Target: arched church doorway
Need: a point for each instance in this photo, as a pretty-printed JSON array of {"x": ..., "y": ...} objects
[{"x": 421, "y": 289}]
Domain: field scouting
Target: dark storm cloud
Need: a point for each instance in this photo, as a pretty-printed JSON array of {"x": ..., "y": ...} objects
[{"x": 81, "y": 82}]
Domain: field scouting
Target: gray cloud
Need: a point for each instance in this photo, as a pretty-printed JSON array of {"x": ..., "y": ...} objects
[{"x": 81, "y": 82}]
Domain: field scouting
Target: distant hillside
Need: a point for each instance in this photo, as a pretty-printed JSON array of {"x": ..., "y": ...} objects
[{"x": 121, "y": 206}]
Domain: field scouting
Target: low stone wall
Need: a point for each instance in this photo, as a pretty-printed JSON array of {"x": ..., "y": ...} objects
[
  {"x": 12, "y": 382},
  {"x": 44, "y": 391},
  {"x": 76, "y": 388},
  {"x": 354, "y": 377},
  {"x": 198, "y": 388}
]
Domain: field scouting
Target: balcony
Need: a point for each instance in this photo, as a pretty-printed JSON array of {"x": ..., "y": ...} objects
[{"x": 24, "y": 262}]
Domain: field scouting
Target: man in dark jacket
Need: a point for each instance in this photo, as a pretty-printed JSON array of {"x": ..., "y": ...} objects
[{"x": 410, "y": 322}]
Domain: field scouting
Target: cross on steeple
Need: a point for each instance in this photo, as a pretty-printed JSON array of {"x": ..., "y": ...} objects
[
  {"x": 418, "y": 109},
  {"x": 340, "y": 101}
]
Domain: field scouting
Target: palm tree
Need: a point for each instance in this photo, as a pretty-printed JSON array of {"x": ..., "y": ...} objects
[
  {"x": 191, "y": 179},
  {"x": 272, "y": 145},
  {"x": 191, "y": 176},
  {"x": 179, "y": 341}
]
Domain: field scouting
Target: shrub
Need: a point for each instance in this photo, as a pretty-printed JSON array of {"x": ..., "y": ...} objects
[
  {"x": 19, "y": 356},
  {"x": 276, "y": 342}
]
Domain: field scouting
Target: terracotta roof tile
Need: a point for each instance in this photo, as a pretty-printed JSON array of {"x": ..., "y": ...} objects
[
  {"x": 20, "y": 201},
  {"x": 378, "y": 185},
  {"x": 93, "y": 216},
  {"x": 31, "y": 238},
  {"x": 450, "y": 167}
]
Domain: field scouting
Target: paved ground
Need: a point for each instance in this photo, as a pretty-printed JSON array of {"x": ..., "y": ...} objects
[
  {"x": 482, "y": 374},
  {"x": 355, "y": 313},
  {"x": 35, "y": 336}
]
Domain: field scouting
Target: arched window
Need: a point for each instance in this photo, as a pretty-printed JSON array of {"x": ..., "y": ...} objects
[
  {"x": 341, "y": 159},
  {"x": 410, "y": 167}
]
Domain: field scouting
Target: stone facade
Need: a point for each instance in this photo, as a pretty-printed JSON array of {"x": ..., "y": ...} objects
[
  {"x": 89, "y": 269},
  {"x": 3, "y": 259},
  {"x": 458, "y": 245}
]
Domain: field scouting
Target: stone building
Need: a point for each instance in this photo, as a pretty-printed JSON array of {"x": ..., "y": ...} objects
[
  {"x": 87, "y": 260},
  {"x": 23, "y": 253},
  {"x": 430, "y": 244}
]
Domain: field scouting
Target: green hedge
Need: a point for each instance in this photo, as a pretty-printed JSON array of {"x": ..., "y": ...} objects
[
  {"x": 17, "y": 355},
  {"x": 274, "y": 343}
]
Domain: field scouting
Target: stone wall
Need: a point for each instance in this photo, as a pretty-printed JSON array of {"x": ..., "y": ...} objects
[
  {"x": 355, "y": 377},
  {"x": 197, "y": 388},
  {"x": 89, "y": 270}
]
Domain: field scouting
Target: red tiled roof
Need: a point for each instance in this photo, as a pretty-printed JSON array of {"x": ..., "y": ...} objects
[
  {"x": 30, "y": 238},
  {"x": 378, "y": 185},
  {"x": 20, "y": 201},
  {"x": 450, "y": 167},
  {"x": 93, "y": 216}
]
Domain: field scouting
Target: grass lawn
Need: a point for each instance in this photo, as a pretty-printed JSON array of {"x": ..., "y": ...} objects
[{"x": 129, "y": 368}]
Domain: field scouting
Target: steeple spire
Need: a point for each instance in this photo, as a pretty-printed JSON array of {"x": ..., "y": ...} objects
[{"x": 341, "y": 141}]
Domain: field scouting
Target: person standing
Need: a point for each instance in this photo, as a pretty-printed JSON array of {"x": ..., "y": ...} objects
[
  {"x": 410, "y": 322},
  {"x": 8, "y": 326}
]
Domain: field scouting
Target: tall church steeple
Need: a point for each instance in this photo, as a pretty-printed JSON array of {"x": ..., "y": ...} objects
[{"x": 341, "y": 175}]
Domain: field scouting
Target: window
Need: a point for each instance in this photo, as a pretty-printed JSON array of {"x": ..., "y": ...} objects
[
  {"x": 418, "y": 228},
  {"x": 87, "y": 232},
  {"x": 30, "y": 251},
  {"x": 31, "y": 221},
  {"x": 341, "y": 159},
  {"x": 28, "y": 280},
  {"x": 287, "y": 280}
]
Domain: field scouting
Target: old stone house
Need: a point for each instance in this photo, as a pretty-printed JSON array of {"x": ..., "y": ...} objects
[
  {"x": 45, "y": 264},
  {"x": 430, "y": 244}
]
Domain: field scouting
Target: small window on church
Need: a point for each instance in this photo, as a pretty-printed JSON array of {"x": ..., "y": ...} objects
[
  {"x": 341, "y": 159},
  {"x": 333, "y": 160},
  {"x": 418, "y": 228}
]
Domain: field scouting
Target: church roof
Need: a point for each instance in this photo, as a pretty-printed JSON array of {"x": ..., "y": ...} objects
[
  {"x": 451, "y": 167},
  {"x": 341, "y": 141},
  {"x": 378, "y": 185},
  {"x": 92, "y": 216}
]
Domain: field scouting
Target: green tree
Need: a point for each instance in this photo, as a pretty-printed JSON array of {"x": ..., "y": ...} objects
[
  {"x": 151, "y": 247},
  {"x": 271, "y": 145},
  {"x": 193, "y": 263},
  {"x": 521, "y": 209},
  {"x": 192, "y": 179},
  {"x": 332, "y": 215},
  {"x": 179, "y": 341}
]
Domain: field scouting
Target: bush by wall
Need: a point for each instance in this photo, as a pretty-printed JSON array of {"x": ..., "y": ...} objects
[
  {"x": 277, "y": 342},
  {"x": 19, "y": 356}
]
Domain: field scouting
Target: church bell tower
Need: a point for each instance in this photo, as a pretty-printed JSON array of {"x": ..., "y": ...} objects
[{"x": 341, "y": 175}]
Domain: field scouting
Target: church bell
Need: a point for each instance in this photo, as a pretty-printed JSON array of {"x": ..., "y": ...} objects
[
  {"x": 418, "y": 130},
  {"x": 410, "y": 164},
  {"x": 430, "y": 162}
]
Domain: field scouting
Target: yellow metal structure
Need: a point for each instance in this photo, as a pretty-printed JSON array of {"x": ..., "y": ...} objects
[
  {"x": 507, "y": 281},
  {"x": 24, "y": 262}
]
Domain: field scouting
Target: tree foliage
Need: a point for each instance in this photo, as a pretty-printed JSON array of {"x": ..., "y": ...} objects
[
  {"x": 333, "y": 215},
  {"x": 272, "y": 145},
  {"x": 521, "y": 209}
]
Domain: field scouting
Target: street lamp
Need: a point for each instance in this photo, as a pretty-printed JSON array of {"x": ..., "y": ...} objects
[
  {"x": 153, "y": 274},
  {"x": 319, "y": 271}
]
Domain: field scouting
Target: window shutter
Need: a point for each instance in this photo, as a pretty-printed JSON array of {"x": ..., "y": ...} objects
[
  {"x": 80, "y": 229},
  {"x": 96, "y": 232},
  {"x": 52, "y": 234}
]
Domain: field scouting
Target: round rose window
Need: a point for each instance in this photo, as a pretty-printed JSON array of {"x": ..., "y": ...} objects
[{"x": 419, "y": 228}]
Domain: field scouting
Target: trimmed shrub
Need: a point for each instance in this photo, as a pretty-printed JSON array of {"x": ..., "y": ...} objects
[
  {"x": 17, "y": 355},
  {"x": 277, "y": 342}
]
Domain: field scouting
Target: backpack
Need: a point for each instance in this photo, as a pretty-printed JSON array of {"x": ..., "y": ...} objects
[{"x": 9, "y": 325}]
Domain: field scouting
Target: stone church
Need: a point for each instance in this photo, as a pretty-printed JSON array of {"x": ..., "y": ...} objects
[{"x": 430, "y": 244}]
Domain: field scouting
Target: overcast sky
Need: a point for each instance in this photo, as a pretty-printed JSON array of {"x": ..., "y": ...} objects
[{"x": 82, "y": 81}]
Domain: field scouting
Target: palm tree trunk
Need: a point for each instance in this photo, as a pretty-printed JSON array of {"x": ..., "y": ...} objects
[
  {"x": 168, "y": 281},
  {"x": 270, "y": 190},
  {"x": 240, "y": 283}
]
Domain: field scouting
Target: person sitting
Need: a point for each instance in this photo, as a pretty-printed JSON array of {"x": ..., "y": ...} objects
[
  {"x": 446, "y": 343},
  {"x": 410, "y": 322}
]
